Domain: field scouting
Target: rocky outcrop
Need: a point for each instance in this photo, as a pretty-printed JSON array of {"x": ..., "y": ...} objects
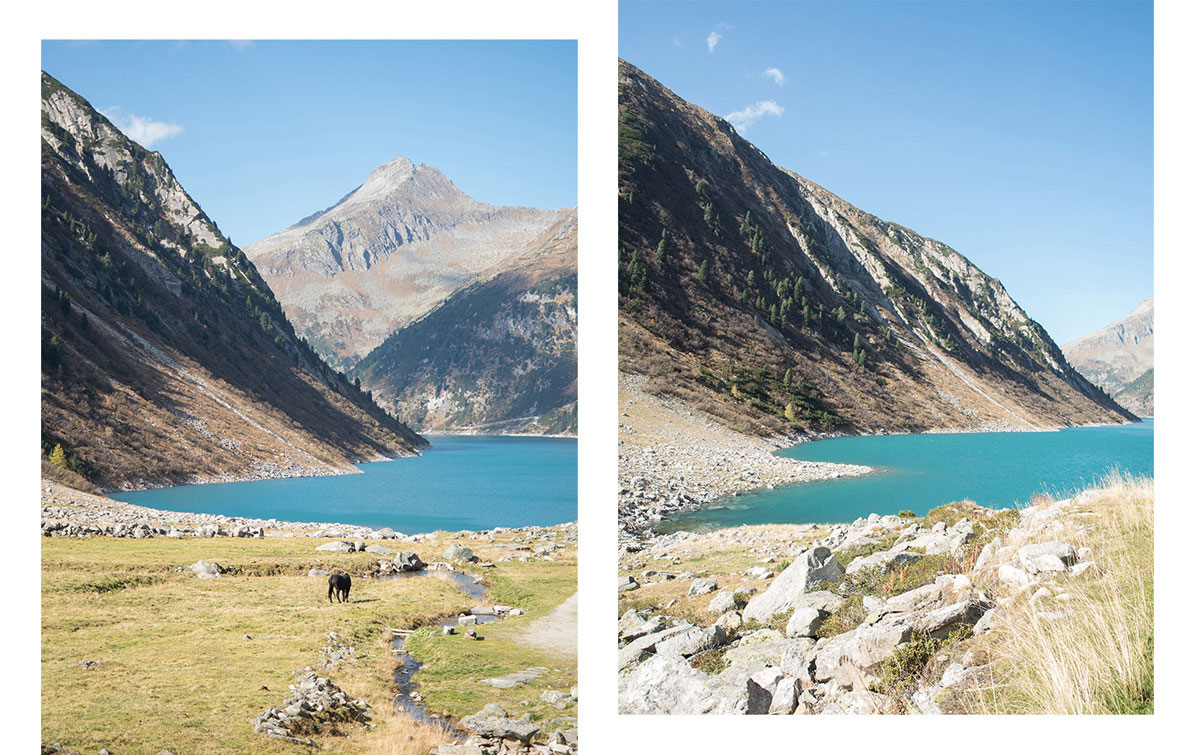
[
  {"x": 315, "y": 704},
  {"x": 810, "y": 569},
  {"x": 742, "y": 663},
  {"x": 492, "y": 731}
]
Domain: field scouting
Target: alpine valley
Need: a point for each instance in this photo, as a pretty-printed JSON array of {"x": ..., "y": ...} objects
[
  {"x": 758, "y": 309},
  {"x": 456, "y": 315},
  {"x": 165, "y": 356}
]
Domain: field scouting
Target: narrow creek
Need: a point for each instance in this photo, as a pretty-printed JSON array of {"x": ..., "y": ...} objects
[{"x": 405, "y": 686}]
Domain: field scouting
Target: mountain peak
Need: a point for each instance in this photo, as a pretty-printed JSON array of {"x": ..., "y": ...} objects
[{"x": 392, "y": 172}]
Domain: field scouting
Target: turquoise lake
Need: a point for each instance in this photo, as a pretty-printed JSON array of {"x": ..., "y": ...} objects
[
  {"x": 921, "y": 472},
  {"x": 459, "y": 483}
]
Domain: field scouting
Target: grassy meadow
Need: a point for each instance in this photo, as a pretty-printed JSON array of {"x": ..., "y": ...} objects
[{"x": 185, "y": 664}]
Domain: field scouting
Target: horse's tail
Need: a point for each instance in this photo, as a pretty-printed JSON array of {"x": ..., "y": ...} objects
[{"x": 331, "y": 591}]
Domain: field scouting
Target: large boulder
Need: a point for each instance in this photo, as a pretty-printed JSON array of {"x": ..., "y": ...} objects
[
  {"x": 786, "y": 697},
  {"x": 408, "y": 561},
  {"x": 805, "y": 622},
  {"x": 338, "y": 546},
  {"x": 723, "y": 602},
  {"x": 881, "y": 560},
  {"x": 379, "y": 550},
  {"x": 694, "y": 640},
  {"x": 810, "y": 569},
  {"x": 702, "y": 586},
  {"x": 1042, "y": 556},
  {"x": 867, "y": 646},
  {"x": 667, "y": 684},
  {"x": 649, "y": 626},
  {"x": 456, "y": 552},
  {"x": 205, "y": 570},
  {"x": 644, "y": 647},
  {"x": 760, "y": 690},
  {"x": 497, "y": 727}
]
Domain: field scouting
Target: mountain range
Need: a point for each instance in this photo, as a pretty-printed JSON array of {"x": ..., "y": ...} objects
[
  {"x": 454, "y": 314},
  {"x": 778, "y": 308},
  {"x": 387, "y": 253},
  {"x": 166, "y": 358},
  {"x": 499, "y": 355},
  {"x": 1119, "y": 358}
]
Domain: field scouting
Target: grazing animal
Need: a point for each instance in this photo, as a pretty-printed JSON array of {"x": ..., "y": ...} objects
[{"x": 339, "y": 583}]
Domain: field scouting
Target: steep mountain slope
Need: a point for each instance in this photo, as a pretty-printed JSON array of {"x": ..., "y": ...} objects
[
  {"x": 165, "y": 357},
  {"x": 1138, "y": 396},
  {"x": 1119, "y": 354},
  {"x": 386, "y": 253},
  {"x": 497, "y": 356},
  {"x": 777, "y": 307}
]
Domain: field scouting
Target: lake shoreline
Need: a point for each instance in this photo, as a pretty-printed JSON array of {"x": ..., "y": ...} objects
[
  {"x": 929, "y": 471},
  {"x": 652, "y": 490},
  {"x": 61, "y": 503}
]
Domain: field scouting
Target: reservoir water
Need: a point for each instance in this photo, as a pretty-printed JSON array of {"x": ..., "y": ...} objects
[
  {"x": 921, "y": 472},
  {"x": 465, "y": 482}
]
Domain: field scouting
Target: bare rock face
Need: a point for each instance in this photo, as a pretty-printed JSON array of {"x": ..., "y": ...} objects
[
  {"x": 1119, "y": 355},
  {"x": 386, "y": 253}
]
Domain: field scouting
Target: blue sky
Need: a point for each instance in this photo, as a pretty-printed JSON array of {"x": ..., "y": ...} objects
[
  {"x": 262, "y": 134},
  {"x": 1019, "y": 133}
]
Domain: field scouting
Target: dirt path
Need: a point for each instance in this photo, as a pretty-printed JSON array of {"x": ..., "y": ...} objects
[{"x": 557, "y": 631}]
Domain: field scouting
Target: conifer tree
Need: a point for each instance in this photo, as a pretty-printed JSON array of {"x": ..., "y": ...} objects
[{"x": 58, "y": 457}]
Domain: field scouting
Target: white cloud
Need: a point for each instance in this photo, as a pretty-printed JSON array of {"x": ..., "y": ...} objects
[
  {"x": 144, "y": 131},
  {"x": 776, "y": 75},
  {"x": 749, "y": 115},
  {"x": 713, "y": 39},
  {"x": 240, "y": 44}
]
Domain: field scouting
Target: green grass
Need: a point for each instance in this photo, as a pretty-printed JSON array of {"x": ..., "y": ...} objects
[
  {"x": 451, "y": 682},
  {"x": 176, "y": 671}
]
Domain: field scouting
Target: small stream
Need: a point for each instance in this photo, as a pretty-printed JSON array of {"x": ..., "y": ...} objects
[{"x": 405, "y": 686}]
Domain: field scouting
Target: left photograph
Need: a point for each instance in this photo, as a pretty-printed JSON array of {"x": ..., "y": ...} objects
[{"x": 308, "y": 396}]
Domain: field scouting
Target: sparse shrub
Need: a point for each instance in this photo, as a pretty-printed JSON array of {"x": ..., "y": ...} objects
[
  {"x": 906, "y": 514},
  {"x": 710, "y": 661},
  {"x": 902, "y": 671}
]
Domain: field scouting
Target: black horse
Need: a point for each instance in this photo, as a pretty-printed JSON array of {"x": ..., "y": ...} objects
[{"x": 339, "y": 583}]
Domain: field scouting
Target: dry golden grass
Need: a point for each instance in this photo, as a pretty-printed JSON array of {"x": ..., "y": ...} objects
[
  {"x": 402, "y": 736},
  {"x": 1099, "y": 657},
  {"x": 185, "y": 664}
]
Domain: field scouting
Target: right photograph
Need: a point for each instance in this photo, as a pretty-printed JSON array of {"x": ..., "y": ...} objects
[{"x": 886, "y": 340}]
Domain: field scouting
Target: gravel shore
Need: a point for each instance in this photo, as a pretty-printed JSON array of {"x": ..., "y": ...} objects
[
  {"x": 674, "y": 459},
  {"x": 66, "y": 511}
]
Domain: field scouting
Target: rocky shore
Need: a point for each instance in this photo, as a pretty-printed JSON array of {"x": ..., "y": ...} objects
[
  {"x": 672, "y": 459},
  {"x": 67, "y": 512},
  {"x": 885, "y": 615}
]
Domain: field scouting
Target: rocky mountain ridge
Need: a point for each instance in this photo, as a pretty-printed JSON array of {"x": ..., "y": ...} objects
[
  {"x": 1119, "y": 358},
  {"x": 498, "y": 355},
  {"x": 165, "y": 357},
  {"x": 386, "y": 253},
  {"x": 778, "y": 308}
]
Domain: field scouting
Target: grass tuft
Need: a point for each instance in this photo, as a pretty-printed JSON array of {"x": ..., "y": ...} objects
[{"x": 1099, "y": 658}]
